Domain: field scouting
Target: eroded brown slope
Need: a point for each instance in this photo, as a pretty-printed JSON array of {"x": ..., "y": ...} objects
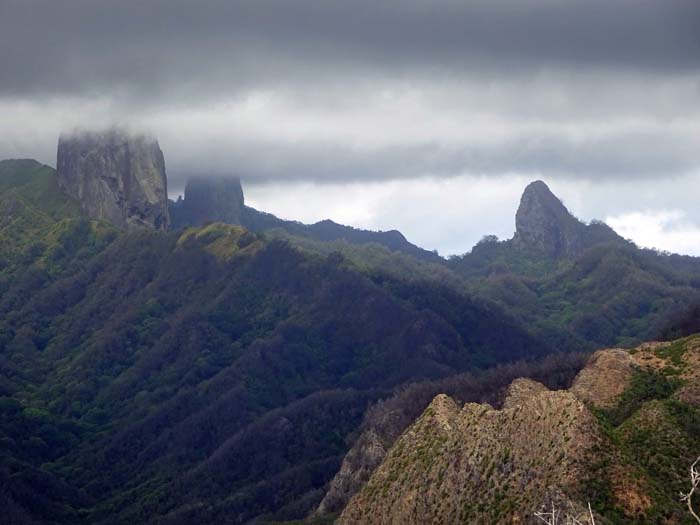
[
  {"x": 476, "y": 464},
  {"x": 480, "y": 465}
]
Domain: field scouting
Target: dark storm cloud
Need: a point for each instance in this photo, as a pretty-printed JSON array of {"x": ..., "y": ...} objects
[
  {"x": 146, "y": 48},
  {"x": 363, "y": 89},
  {"x": 623, "y": 157}
]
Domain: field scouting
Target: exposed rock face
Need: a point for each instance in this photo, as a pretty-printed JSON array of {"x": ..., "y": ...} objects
[
  {"x": 521, "y": 390},
  {"x": 474, "y": 464},
  {"x": 543, "y": 224},
  {"x": 359, "y": 463},
  {"x": 479, "y": 465},
  {"x": 115, "y": 176},
  {"x": 210, "y": 199}
]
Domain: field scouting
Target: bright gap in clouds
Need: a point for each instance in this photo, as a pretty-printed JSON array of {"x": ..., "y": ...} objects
[
  {"x": 668, "y": 230},
  {"x": 452, "y": 214},
  {"x": 447, "y": 214}
]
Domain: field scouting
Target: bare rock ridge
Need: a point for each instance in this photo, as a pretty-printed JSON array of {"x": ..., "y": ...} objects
[
  {"x": 209, "y": 199},
  {"x": 115, "y": 176},
  {"x": 477, "y": 464},
  {"x": 543, "y": 224}
]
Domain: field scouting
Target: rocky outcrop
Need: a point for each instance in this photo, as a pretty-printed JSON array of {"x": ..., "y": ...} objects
[
  {"x": 209, "y": 199},
  {"x": 521, "y": 390},
  {"x": 544, "y": 225},
  {"x": 476, "y": 464},
  {"x": 220, "y": 199},
  {"x": 115, "y": 176},
  {"x": 359, "y": 463}
]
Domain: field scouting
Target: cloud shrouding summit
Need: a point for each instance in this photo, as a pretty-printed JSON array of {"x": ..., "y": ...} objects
[{"x": 365, "y": 92}]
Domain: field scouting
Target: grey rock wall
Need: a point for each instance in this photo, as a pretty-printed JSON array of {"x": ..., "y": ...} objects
[{"x": 115, "y": 176}]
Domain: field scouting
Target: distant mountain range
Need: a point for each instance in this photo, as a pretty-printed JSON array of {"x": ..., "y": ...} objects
[
  {"x": 208, "y": 374},
  {"x": 201, "y": 361}
]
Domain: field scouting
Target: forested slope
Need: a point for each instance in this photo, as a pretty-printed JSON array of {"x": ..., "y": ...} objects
[{"x": 210, "y": 372}]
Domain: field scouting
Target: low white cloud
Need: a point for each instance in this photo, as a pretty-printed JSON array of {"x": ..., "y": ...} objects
[
  {"x": 452, "y": 214},
  {"x": 668, "y": 230},
  {"x": 449, "y": 215},
  {"x": 398, "y": 128},
  {"x": 427, "y": 117}
]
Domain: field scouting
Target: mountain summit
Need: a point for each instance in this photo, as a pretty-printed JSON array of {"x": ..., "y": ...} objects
[
  {"x": 115, "y": 176},
  {"x": 543, "y": 224}
]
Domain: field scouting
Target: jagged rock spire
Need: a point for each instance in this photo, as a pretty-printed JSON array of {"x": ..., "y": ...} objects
[{"x": 544, "y": 224}]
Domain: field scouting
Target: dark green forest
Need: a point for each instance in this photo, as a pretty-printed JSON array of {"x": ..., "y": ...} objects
[
  {"x": 209, "y": 371},
  {"x": 214, "y": 374}
]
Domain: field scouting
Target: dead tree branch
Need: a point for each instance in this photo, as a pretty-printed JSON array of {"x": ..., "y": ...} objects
[{"x": 694, "y": 484}]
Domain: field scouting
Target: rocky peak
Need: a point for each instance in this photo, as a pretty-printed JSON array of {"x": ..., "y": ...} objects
[
  {"x": 543, "y": 223},
  {"x": 477, "y": 464},
  {"x": 209, "y": 199},
  {"x": 115, "y": 176}
]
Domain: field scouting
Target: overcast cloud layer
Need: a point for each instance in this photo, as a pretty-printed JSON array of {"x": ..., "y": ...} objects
[{"x": 382, "y": 97}]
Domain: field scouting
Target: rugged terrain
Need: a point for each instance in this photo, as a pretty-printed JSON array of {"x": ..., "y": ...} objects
[
  {"x": 221, "y": 199},
  {"x": 116, "y": 176},
  {"x": 543, "y": 224},
  {"x": 192, "y": 374},
  {"x": 258, "y": 372},
  {"x": 622, "y": 438},
  {"x": 557, "y": 272}
]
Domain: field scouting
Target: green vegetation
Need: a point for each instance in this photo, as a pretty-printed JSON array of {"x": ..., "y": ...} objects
[
  {"x": 611, "y": 295},
  {"x": 655, "y": 435},
  {"x": 144, "y": 373},
  {"x": 217, "y": 372},
  {"x": 675, "y": 351},
  {"x": 645, "y": 386}
]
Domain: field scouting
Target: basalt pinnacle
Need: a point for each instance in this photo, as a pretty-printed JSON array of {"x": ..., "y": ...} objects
[
  {"x": 115, "y": 176},
  {"x": 544, "y": 224},
  {"x": 209, "y": 199}
]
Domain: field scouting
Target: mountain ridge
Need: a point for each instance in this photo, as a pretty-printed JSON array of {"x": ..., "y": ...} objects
[
  {"x": 137, "y": 363},
  {"x": 202, "y": 346},
  {"x": 544, "y": 224},
  {"x": 478, "y": 464},
  {"x": 221, "y": 199}
]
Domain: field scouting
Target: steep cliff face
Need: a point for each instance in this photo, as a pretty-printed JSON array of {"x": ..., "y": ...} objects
[
  {"x": 211, "y": 199},
  {"x": 622, "y": 438},
  {"x": 357, "y": 467},
  {"x": 115, "y": 176},
  {"x": 543, "y": 224}
]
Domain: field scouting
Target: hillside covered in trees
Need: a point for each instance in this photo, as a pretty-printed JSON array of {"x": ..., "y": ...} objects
[
  {"x": 209, "y": 370},
  {"x": 212, "y": 373}
]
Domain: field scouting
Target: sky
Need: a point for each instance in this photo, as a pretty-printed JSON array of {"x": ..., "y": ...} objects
[{"x": 427, "y": 116}]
